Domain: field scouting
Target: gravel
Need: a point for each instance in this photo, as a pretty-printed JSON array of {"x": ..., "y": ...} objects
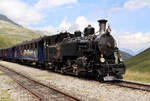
[
  {"x": 89, "y": 88},
  {"x": 10, "y": 91}
]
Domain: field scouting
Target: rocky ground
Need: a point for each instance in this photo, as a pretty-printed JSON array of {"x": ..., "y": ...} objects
[{"x": 89, "y": 88}]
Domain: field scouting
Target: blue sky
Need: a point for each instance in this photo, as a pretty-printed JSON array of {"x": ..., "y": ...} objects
[
  {"x": 129, "y": 19},
  {"x": 121, "y": 20}
]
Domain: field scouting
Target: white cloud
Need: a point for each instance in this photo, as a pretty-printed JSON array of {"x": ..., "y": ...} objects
[
  {"x": 79, "y": 24},
  {"x": 19, "y": 12},
  {"x": 50, "y": 29},
  {"x": 133, "y": 41},
  {"x": 136, "y": 4},
  {"x": 131, "y": 5},
  {"x": 43, "y": 4},
  {"x": 25, "y": 14},
  {"x": 65, "y": 25},
  {"x": 82, "y": 22},
  {"x": 73, "y": 28}
]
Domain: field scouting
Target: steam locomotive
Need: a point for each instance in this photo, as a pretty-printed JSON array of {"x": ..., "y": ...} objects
[{"x": 72, "y": 54}]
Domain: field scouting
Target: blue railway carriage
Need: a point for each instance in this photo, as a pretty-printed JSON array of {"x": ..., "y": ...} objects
[
  {"x": 34, "y": 51},
  {"x": 6, "y": 53},
  {"x": 27, "y": 52},
  {"x": 1, "y": 53}
]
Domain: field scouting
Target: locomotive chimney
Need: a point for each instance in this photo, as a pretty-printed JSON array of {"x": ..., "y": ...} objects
[{"x": 102, "y": 25}]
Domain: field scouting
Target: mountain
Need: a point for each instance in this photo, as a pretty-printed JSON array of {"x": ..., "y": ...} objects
[
  {"x": 139, "y": 51},
  {"x": 133, "y": 53},
  {"x": 5, "y": 18},
  {"x": 44, "y": 32},
  {"x": 128, "y": 51},
  {"x": 125, "y": 55},
  {"x": 11, "y": 33},
  {"x": 140, "y": 62}
]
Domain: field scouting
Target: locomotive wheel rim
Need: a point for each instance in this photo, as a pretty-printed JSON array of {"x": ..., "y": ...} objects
[
  {"x": 99, "y": 77},
  {"x": 76, "y": 72},
  {"x": 62, "y": 71},
  {"x": 55, "y": 69}
]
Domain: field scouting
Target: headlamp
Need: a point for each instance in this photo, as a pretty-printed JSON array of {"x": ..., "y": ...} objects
[{"x": 102, "y": 59}]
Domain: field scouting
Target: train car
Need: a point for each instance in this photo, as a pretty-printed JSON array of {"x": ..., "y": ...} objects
[
  {"x": 1, "y": 53},
  {"x": 29, "y": 51}
]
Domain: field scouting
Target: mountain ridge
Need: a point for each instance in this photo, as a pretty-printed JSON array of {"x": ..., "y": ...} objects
[
  {"x": 125, "y": 55},
  {"x": 5, "y": 18},
  {"x": 11, "y": 33}
]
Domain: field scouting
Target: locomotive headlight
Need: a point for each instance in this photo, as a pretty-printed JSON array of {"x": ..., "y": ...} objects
[{"x": 102, "y": 59}]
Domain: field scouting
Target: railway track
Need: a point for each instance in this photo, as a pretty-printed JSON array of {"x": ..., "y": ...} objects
[
  {"x": 131, "y": 84},
  {"x": 41, "y": 91},
  {"x": 46, "y": 93}
]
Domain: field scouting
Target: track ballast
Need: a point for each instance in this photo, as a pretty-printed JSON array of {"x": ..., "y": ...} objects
[{"x": 39, "y": 90}]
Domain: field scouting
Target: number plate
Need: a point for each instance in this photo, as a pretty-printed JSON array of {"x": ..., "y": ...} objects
[{"x": 109, "y": 78}]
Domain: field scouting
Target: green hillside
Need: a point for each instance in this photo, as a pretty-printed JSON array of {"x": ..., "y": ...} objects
[
  {"x": 10, "y": 34},
  {"x": 140, "y": 62},
  {"x": 138, "y": 67}
]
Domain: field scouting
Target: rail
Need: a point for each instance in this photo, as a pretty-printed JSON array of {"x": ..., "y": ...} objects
[
  {"x": 131, "y": 84},
  {"x": 39, "y": 90}
]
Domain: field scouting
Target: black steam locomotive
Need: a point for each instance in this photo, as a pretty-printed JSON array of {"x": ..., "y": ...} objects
[{"x": 72, "y": 54}]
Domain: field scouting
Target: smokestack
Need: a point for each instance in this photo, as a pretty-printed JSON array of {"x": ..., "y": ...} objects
[{"x": 102, "y": 25}]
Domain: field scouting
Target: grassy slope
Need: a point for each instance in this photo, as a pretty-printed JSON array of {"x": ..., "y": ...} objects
[
  {"x": 11, "y": 34},
  {"x": 140, "y": 62},
  {"x": 138, "y": 67}
]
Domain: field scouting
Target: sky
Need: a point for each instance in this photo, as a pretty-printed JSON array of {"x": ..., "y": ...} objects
[{"x": 129, "y": 19}]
